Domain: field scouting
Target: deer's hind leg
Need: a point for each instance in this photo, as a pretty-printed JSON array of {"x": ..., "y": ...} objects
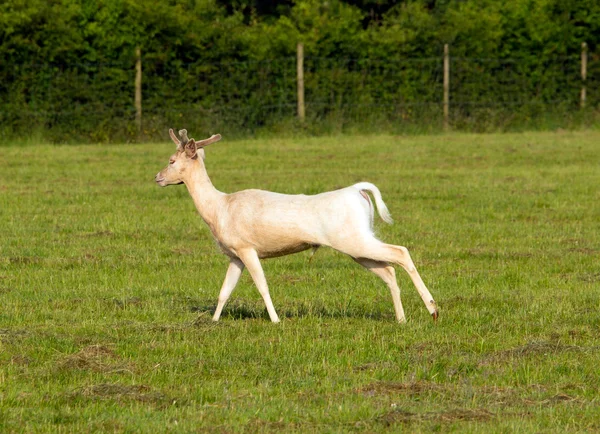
[
  {"x": 400, "y": 255},
  {"x": 375, "y": 250},
  {"x": 387, "y": 273}
]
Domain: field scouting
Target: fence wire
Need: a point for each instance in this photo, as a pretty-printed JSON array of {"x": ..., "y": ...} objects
[{"x": 97, "y": 99}]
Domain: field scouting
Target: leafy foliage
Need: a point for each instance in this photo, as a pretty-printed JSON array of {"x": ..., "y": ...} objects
[{"x": 69, "y": 64}]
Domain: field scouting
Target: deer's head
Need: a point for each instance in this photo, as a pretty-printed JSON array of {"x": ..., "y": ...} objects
[{"x": 184, "y": 159}]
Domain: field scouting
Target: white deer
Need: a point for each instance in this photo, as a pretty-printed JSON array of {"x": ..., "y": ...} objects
[{"x": 250, "y": 225}]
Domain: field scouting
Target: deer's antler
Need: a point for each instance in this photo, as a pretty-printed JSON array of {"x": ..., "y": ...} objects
[{"x": 184, "y": 137}]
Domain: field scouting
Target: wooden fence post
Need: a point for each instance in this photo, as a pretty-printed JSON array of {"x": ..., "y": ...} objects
[
  {"x": 138, "y": 89},
  {"x": 446, "y": 87},
  {"x": 300, "y": 81},
  {"x": 584, "y": 50}
]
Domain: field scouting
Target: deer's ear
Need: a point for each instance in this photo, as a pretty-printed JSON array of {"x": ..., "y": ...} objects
[{"x": 190, "y": 149}]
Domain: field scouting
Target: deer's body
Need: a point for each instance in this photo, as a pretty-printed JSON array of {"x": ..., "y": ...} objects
[
  {"x": 279, "y": 224},
  {"x": 254, "y": 224}
]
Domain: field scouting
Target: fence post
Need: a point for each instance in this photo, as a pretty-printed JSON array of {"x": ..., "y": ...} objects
[
  {"x": 138, "y": 89},
  {"x": 300, "y": 80},
  {"x": 584, "y": 50},
  {"x": 446, "y": 87}
]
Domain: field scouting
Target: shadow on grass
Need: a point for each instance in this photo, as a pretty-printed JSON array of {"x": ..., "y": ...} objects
[{"x": 244, "y": 310}]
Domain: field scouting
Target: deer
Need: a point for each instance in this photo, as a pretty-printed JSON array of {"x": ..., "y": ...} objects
[{"x": 251, "y": 225}]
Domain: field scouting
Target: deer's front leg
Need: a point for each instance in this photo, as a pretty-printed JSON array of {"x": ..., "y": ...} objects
[
  {"x": 250, "y": 259},
  {"x": 234, "y": 272}
]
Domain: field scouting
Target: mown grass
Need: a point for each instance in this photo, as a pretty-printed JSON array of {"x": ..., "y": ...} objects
[{"x": 107, "y": 285}]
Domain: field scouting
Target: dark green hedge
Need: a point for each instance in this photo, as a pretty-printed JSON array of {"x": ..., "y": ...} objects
[{"x": 67, "y": 66}]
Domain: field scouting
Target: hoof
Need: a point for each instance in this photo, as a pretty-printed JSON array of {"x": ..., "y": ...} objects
[{"x": 435, "y": 315}]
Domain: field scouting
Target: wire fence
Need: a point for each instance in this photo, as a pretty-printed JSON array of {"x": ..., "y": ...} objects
[{"x": 96, "y": 100}]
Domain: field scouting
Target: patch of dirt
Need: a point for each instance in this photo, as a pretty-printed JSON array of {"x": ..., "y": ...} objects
[
  {"x": 391, "y": 388},
  {"x": 589, "y": 277},
  {"x": 466, "y": 299},
  {"x": 8, "y": 335},
  {"x": 97, "y": 358},
  {"x": 580, "y": 245},
  {"x": 24, "y": 260},
  {"x": 530, "y": 349},
  {"x": 479, "y": 414},
  {"x": 563, "y": 397},
  {"x": 129, "y": 301},
  {"x": 450, "y": 416},
  {"x": 124, "y": 392},
  {"x": 492, "y": 397},
  {"x": 261, "y": 425},
  {"x": 64, "y": 304},
  {"x": 204, "y": 321},
  {"x": 494, "y": 254},
  {"x": 543, "y": 347},
  {"x": 371, "y": 366},
  {"x": 20, "y": 360},
  {"x": 106, "y": 233},
  {"x": 584, "y": 250},
  {"x": 290, "y": 278},
  {"x": 574, "y": 333},
  {"x": 183, "y": 251},
  {"x": 559, "y": 398}
]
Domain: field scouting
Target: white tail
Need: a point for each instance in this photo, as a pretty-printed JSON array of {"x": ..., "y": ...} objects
[
  {"x": 382, "y": 209},
  {"x": 254, "y": 224}
]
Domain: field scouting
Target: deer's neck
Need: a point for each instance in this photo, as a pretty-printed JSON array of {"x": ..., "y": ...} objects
[{"x": 206, "y": 197}]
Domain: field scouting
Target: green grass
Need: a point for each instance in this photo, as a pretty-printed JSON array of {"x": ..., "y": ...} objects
[{"x": 107, "y": 285}]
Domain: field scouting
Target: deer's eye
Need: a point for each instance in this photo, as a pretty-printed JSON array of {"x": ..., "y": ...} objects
[{"x": 171, "y": 161}]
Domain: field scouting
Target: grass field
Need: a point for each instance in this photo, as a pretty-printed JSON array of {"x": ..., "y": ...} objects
[{"x": 108, "y": 283}]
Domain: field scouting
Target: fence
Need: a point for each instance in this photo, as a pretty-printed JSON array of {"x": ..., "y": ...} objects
[{"x": 139, "y": 100}]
